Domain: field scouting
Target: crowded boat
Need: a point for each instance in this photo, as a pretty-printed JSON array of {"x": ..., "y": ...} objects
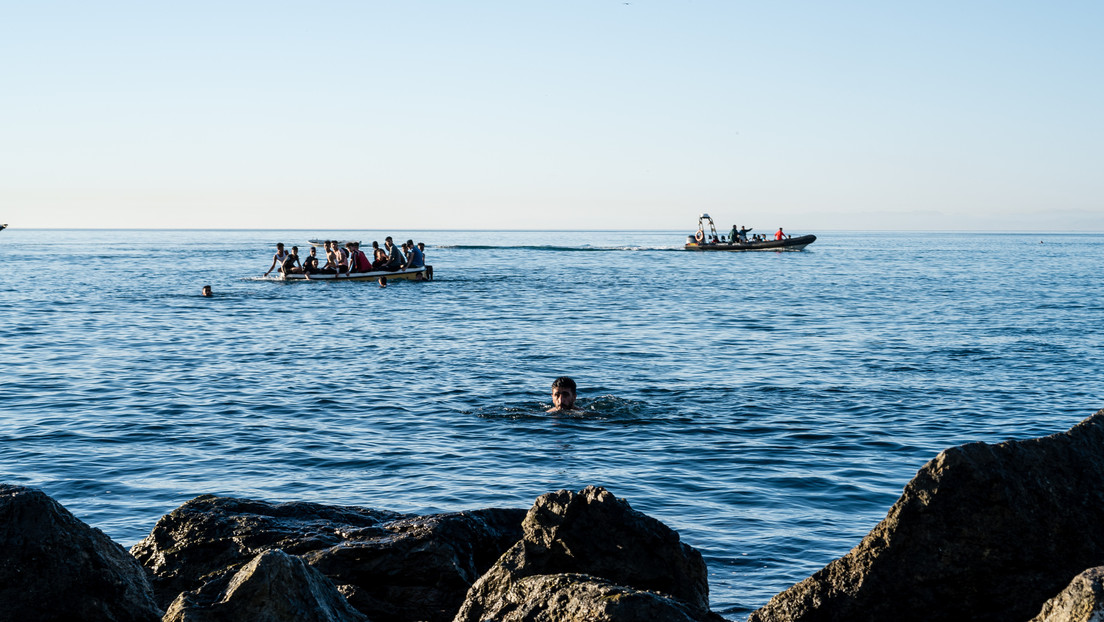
[{"x": 345, "y": 260}]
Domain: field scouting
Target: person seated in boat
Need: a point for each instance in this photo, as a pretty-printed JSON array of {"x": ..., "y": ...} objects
[
  {"x": 421, "y": 249},
  {"x": 779, "y": 235},
  {"x": 342, "y": 257},
  {"x": 379, "y": 258},
  {"x": 330, "y": 267},
  {"x": 414, "y": 257},
  {"x": 278, "y": 258},
  {"x": 394, "y": 257},
  {"x": 563, "y": 395},
  {"x": 291, "y": 265},
  {"x": 350, "y": 257},
  {"x": 310, "y": 262},
  {"x": 360, "y": 261}
]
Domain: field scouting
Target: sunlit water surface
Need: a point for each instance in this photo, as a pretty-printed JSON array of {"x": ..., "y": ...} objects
[{"x": 768, "y": 406}]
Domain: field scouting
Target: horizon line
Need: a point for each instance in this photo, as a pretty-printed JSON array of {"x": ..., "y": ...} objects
[{"x": 1064, "y": 231}]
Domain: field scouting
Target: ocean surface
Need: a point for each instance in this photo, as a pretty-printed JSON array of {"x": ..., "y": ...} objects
[{"x": 769, "y": 406}]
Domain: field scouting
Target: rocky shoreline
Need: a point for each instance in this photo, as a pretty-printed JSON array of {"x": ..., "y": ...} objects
[{"x": 1002, "y": 531}]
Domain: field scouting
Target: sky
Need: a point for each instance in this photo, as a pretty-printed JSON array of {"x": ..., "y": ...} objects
[{"x": 573, "y": 114}]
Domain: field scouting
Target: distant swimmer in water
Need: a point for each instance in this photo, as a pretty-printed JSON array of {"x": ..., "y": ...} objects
[
  {"x": 563, "y": 395},
  {"x": 206, "y": 291}
]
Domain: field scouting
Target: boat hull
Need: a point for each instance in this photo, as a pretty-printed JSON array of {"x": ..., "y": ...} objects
[
  {"x": 788, "y": 244},
  {"x": 425, "y": 273}
]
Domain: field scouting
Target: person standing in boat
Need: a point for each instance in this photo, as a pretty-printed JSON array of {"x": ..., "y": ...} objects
[
  {"x": 779, "y": 235},
  {"x": 734, "y": 235},
  {"x": 278, "y": 258}
]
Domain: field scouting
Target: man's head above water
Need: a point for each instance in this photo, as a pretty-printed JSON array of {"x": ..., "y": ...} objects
[{"x": 563, "y": 394}]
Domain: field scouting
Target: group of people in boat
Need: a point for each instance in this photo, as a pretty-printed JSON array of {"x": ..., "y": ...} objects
[
  {"x": 738, "y": 236},
  {"x": 349, "y": 259}
]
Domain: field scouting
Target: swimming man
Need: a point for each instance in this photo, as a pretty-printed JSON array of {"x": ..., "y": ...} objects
[{"x": 563, "y": 395}]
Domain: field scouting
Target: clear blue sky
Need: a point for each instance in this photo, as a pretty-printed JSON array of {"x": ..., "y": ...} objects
[{"x": 587, "y": 114}]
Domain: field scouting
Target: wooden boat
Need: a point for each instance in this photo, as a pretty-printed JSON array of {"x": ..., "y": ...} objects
[
  {"x": 702, "y": 241},
  {"x": 424, "y": 273}
]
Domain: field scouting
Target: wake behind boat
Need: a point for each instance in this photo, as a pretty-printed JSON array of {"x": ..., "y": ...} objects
[{"x": 739, "y": 241}]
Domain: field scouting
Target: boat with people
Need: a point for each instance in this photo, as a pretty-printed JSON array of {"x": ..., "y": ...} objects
[
  {"x": 345, "y": 261},
  {"x": 738, "y": 239},
  {"x": 422, "y": 273}
]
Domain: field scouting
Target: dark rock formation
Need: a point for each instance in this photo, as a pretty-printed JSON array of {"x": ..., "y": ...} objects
[
  {"x": 576, "y": 597},
  {"x": 55, "y": 567},
  {"x": 390, "y": 566},
  {"x": 1081, "y": 601},
  {"x": 589, "y": 556},
  {"x": 983, "y": 532},
  {"x": 274, "y": 587}
]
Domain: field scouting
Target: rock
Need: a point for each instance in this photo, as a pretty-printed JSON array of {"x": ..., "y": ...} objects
[
  {"x": 425, "y": 565},
  {"x": 390, "y": 566},
  {"x": 983, "y": 532},
  {"x": 563, "y": 597},
  {"x": 55, "y": 567},
  {"x": 1081, "y": 601},
  {"x": 274, "y": 587},
  {"x": 623, "y": 552}
]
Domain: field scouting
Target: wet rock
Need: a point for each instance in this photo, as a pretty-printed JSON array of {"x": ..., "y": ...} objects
[
  {"x": 55, "y": 567},
  {"x": 1081, "y": 601},
  {"x": 390, "y": 566},
  {"x": 273, "y": 587},
  {"x": 983, "y": 532},
  {"x": 623, "y": 552}
]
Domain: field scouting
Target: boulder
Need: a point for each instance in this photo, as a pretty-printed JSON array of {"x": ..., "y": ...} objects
[
  {"x": 622, "y": 552},
  {"x": 55, "y": 567},
  {"x": 563, "y": 597},
  {"x": 274, "y": 587},
  {"x": 1081, "y": 601},
  {"x": 983, "y": 532},
  {"x": 391, "y": 567}
]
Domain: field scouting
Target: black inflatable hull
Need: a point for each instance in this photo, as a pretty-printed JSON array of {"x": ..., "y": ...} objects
[{"x": 788, "y": 244}]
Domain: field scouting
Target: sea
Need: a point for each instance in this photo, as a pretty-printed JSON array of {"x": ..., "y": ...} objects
[{"x": 769, "y": 406}]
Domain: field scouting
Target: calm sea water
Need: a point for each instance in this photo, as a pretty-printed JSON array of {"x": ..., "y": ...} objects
[{"x": 768, "y": 406}]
